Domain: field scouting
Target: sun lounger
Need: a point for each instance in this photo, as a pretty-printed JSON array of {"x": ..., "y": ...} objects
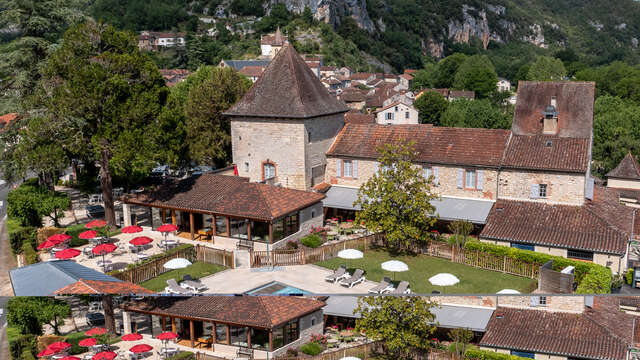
[
  {"x": 174, "y": 288},
  {"x": 403, "y": 288},
  {"x": 357, "y": 277},
  {"x": 191, "y": 284},
  {"x": 384, "y": 286},
  {"x": 339, "y": 274}
]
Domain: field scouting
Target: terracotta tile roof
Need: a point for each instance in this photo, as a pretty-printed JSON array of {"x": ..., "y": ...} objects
[
  {"x": 7, "y": 118},
  {"x": 406, "y": 76},
  {"x": 437, "y": 145},
  {"x": 606, "y": 204},
  {"x": 274, "y": 40},
  {"x": 361, "y": 76},
  {"x": 288, "y": 89},
  {"x": 252, "y": 71},
  {"x": 84, "y": 287},
  {"x": 323, "y": 187},
  {"x": 627, "y": 169},
  {"x": 467, "y": 94},
  {"x": 256, "y": 311},
  {"x": 410, "y": 71},
  {"x": 356, "y": 117},
  {"x": 545, "y": 152},
  {"x": 574, "y": 227},
  {"x": 574, "y": 104},
  {"x": 227, "y": 195},
  {"x": 374, "y": 101},
  {"x": 352, "y": 96},
  {"x": 599, "y": 333}
]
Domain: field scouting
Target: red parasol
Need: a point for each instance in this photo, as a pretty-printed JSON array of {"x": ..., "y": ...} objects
[
  {"x": 132, "y": 229},
  {"x": 131, "y": 337},
  {"x": 167, "y": 228},
  {"x": 48, "y": 244},
  {"x": 88, "y": 342},
  {"x": 67, "y": 254},
  {"x": 96, "y": 331},
  {"x": 141, "y": 348},
  {"x": 89, "y": 234},
  {"x": 167, "y": 336},
  {"x": 95, "y": 223},
  {"x": 104, "y": 355},
  {"x": 59, "y": 346},
  {"x": 103, "y": 249},
  {"x": 46, "y": 352},
  {"x": 140, "y": 240},
  {"x": 59, "y": 237}
]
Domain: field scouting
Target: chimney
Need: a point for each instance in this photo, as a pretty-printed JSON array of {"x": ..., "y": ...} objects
[{"x": 550, "y": 125}]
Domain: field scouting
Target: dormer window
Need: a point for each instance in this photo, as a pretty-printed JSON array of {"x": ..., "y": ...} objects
[
  {"x": 550, "y": 114},
  {"x": 548, "y": 143}
]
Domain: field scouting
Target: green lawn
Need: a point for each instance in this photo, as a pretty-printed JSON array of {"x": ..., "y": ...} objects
[
  {"x": 421, "y": 268},
  {"x": 196, "y": 270}
]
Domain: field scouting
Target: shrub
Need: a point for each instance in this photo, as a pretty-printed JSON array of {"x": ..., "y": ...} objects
[
  {"x": 312, "y": 241},
  {"x": 292, "y": 352},
  {"x": 30, "y": 255},
  {"x": 27, "y": 355},
  {"x": 629, "y": 277},
  {"x": 30, "y": 202},
  {"x": 477, "y": 354},
  {"x": 186, "y": 355},
  {"x": 22, "y": 344},
  {"x": 291, "y": 245},
  {"x": 21, "y": 236},
  {"x": 312, "y": 348}
]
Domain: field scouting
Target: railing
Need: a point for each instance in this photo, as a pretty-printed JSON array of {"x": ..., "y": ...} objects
[
  {"x": 154, "y": 268},
  {"x": 367, "y": 351}
]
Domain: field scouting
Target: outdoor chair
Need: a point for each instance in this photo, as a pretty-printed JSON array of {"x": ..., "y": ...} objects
[
  {"x": 339, "y": 274},
  {"x": 403, "y": 288},
  {"x": 191, "y": 284},
  {"x": 385, "y": 285},
  {"x": 357, "y": 277},
  {"x": 174, "y": 288}
]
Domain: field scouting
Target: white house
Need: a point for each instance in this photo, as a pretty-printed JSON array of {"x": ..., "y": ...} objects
[
  {"x": 397, "y": 113},
  {"x": 504, "y": 84}
]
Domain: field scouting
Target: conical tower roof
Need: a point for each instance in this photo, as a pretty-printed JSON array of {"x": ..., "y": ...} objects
[
  {"x": 287, "y": 89},
  {"x": 627, "y": 169}
]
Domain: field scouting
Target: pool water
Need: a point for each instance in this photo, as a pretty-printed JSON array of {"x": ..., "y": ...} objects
[{"x": 276, "y": 288}]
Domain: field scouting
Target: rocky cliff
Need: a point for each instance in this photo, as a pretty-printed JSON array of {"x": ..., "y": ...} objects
[{"x": 331, "y": 11}]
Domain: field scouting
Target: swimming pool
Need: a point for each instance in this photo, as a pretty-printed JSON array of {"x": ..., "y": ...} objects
[{"x": 277, "y": 288}]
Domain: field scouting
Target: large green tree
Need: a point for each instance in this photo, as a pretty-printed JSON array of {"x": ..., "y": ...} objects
[
  {"x": 401, "y": 324},
  {"x": 98, "y": 75},
  {"x": 30, "y": 203},
  {"x": 446, "y": 70},
  {"x": 478, "y": 74},
  {"x": 208, "y": 131},
  {"x": 430, "y": 105},
  {"x": 475, "y": 114},
  {"x": 396, "y": 199},
  {"x": 29, "y": 314},
  {"x": 423, "y": 78},
  {"x": 546, "y": 68}
]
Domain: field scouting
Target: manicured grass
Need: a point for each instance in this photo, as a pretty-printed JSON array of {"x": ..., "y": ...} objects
[
  {"x": 196, "y": 270},
  {"x": 421, "y": 268}
]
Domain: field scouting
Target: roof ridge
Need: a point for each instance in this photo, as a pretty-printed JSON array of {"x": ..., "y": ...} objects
[
  {"x": 87, "y": 285},
  {"x": 265, "y": 199},
  {"x": 293, "y": 73},
  {"x": 607, "y": 330},
  {"x": 635, "y": 164},
  {"x": 604, "y": 220}
]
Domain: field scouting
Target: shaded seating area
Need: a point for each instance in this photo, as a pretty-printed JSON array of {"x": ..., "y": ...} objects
[{"x": 229, "y": 210}]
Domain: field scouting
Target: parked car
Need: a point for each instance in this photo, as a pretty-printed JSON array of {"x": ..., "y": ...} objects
[
  {"x": 201, "y": 169},
  {"x": 161, "y": 171},
  {"x": 95, "y": 318}
]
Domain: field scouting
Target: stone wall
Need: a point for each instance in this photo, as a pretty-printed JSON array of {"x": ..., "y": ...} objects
[
  {"x": 323, "y": 131},
  {"x": 470, "y": 300},
  {"x": 556, "y": 303},
  {"x": 623, "y": 184},
  {"x": 279, "y": 141},
  {"x": 306, "y": 330},
  {"x": 311, "y": 216},
  {"x": 562, "y": 188}
]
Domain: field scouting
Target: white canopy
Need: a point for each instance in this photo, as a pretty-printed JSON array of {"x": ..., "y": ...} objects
[
  {"x": 443, "y": 279},
  {"x": 177, "y": 263},
  {"x": 508, "y": 291},
  {"x": 395, "y": 266},
  {"x": 350, "y": 254}
]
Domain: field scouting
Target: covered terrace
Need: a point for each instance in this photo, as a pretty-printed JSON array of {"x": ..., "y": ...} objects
[{"x": 229, "y": 211}]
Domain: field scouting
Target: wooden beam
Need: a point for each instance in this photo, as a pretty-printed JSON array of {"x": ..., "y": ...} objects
[
  {"x": 173, "y": 217},
  {"x": 191, "y": 335},
  {"x": 213, "y": 227},
  {"x": 228, "y": 332},
  {"x": 191, "y": 226},
  {"x": 270, "y": 339},
  {"x": 163, "y": 215},
  {"x": 249, "y": 337},
  {"x": 173, "y": 325},
  {"x": 249, "y": 230},
  {"x": 228, "y": 226},
  {"x": 164, "y": 323},
  {"x": 270, "y": 233}
]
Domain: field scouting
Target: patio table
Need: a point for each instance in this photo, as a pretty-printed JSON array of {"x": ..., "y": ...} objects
[{"x": 205, "y": 340}]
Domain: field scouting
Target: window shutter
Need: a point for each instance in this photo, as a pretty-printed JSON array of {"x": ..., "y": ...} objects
[
  {"x": 338, "y": 168},
  {"x": 355, "y": 169},
  {"x": 460, "y": 178},
  {"x": 435, "y": 175},
  {"x": 479, "y": 179},
  {"x": 535, "y": 300},
  {"x": 535, "y": 191}
]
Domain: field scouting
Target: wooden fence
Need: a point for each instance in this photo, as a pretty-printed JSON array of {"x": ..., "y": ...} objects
[
  {"x": 154, "y": 268},
  {"x": 473, "y": 258}
]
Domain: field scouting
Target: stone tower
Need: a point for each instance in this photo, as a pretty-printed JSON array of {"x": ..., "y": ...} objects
[{"x": 283, "y": 126}]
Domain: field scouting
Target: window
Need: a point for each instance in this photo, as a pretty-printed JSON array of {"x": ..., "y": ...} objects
[
  {"x": 523, "y": 354},
  {"x": 260, "y": 231},
  {"x": 313, "y": 321},
  {"x": 286, "y": 226},
  {"x": 313, "y": 213},
  {"x": 523, "y": 246},
  {"x": 580, "y": 255},
  {"x": 269, "y": 171},
  {"x": 470, "y": 179},
  {"x": 239, "y": 228},
  {"x": 221, "y": 334},
  {"x": 389, "y": 116},
  {"x": 309, "y": 135},
  {"x": 396, "y": 109},
  {"x": 285, "y": 335},
  {"x": 542, "y": 300},
  {"x": 406, "y": 115},
  {"x": 246, "y": 166},
  {"x": 347, "y": 168},
  {"x": 542, "y": 190},
  {"x": 221, "y": 226},
  {"x": 238, "y": 336}
]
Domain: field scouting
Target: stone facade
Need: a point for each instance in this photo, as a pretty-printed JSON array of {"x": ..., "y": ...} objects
[
  {"x": 285, "y": 144},
  {"x": 398, "y": 114},
  {"x": 572, "y": 304},
  {"x": 471, "y": 300},
  {"x": 623, "y": 183},
  {"x": 311, "y": 324},
  {"x": 562, "y": 188}
]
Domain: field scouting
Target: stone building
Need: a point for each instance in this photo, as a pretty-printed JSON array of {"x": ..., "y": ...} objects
[
  {"x": 272, "y": 43},
  {"x": 283, "y": 126},
  {"x": 397, "y": 113}
]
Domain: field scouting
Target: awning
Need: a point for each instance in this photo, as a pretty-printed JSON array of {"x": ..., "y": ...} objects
[
  {"x": 472, "y": 318},
  {"x": 448, "y": 208}
]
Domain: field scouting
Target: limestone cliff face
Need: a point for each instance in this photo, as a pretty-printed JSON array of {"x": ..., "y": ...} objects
[{"x": 331, "y": 11}]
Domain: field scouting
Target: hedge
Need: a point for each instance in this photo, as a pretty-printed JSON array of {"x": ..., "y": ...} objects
[
  {"x": 312, "y": 241},
  {"x": 629, "y": 276},
  {"x": 312, "y": 348},
  {"x": 30, "y": 254},
  {"x": 22, "y": 344},
  {"x": 186, "y": 355},
  {"x": 591, "y": 278},
  {"x": 21, "y": 236},
  {"x": 473, "y": 353}
]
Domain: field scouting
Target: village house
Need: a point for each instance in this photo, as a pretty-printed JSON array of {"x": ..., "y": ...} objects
[
  {"x": 252, "y": 72},
  {"x": 503, "y": 85},
  {"x": 404, "y": 81},
  {"x": 397, "y": 113},
  {"x": 174, "y": 76},
  {"x": 272, "y": 43},
  {"x": 626, "y": 178},
  {"x": 355, "y": 99},
  {"x": 152, "y": 40}
]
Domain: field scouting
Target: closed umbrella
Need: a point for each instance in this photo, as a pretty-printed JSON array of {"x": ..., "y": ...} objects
[
  {"x": 88, "y": 342},
  {"x": 443, "y": 279},
  {"x": 104, "y": 249},
  {"x": 104, "y": 355},
  {"x": 508, "y": 291},
  {"x": 131, "y": 337},
  {"x": 350, "y": 254},
  {"x": 96, "y": 331},
  {"x": 394, "y": 266},
  {"x": 141, "y": 348},
  {"x": 67, "y": 254},
  {"x": 178, "y": 263}
]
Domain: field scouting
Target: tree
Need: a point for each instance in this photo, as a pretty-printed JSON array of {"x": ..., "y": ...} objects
[
  {"x": 478, "y": 74},
  {"x": 423, "y": 78},
  {"x": 475, "y": 114},
  {"x": 208, "y": 131},
  {"x": 396, "y": 200},
  {"x": 54, "y": 311},
  {"x": 401, "y": 324},
  {"x": 446, "y": 70},
  {"x": 546, "y": 68},
  {"x": 307, "y": 16},
  {"x": 30, "y": 202},
  {"x": 460, "y": 338},
  {"x": 430, "y": 106},
  {"x": 460, "y": 229},
  {"x": 109, "y": 318},
  {"x": 29, "y": 314},
  {"x": 99, "y": 75}
]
